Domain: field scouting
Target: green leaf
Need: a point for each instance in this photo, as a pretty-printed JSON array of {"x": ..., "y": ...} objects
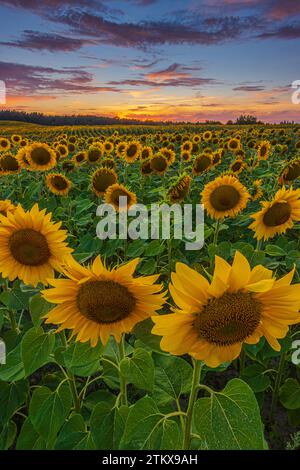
[
  {"x": 81, "y": 359},
  {"x": 147, "y": 428},
  {"x": 142, "y": 331},
  {"x": 136, "y": 248},
  {"x": 38, "y": 307},
  {"x": 230, "y": 419},
  {"x": 13, "y": 370},
  {"x": 290, "y": 394},
  {"x": 27, "y": 437},
  {"x": 154, "y": 248},
  {"x": 73, "y": 435},
  {"x": 15, "y": 299},
  {"x": 12, "y": 396},
  {"x": 254, "y": 376},
  {"x": 173, "y": 377},
  {"x": 139, "y": 369},
  {"x": 8, "y": 435},
  {"x": 107, "y": 426},
  {"x": 36, "y": 347},
  {"x": 274, "y": 250},
  {"x": 48, "y": 410},
  {"x": 149, "y": 267}
]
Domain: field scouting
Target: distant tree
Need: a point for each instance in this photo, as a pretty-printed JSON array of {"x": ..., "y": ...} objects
[
  {"x": 229, "y": 123},
  {"x": 246, "y": 120}
]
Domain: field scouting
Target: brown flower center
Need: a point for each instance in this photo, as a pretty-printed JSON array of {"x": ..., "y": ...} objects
[
  {"x": 224, "y": 198},
  {"x": 278, "y": 214},
  {"x": 228, "y": 319},
  {"x": 102, "y": 180},
  {"x": 59, "y": 182},
  {"x": 131, "y": 150},
  {"x": 29, "y": 247},
  {"x": 40, "y": 156},
  {"x": 105, "y": 301}
]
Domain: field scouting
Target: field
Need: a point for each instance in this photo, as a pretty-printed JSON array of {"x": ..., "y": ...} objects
[{"x": 143, "y": 344}]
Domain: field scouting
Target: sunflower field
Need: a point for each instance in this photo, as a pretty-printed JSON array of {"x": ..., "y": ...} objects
[{"x": 123, "y": 344}]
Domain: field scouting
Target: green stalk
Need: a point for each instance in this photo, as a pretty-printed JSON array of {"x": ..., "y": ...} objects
[
  {"x": 13, "y": 322},
  {"x": 216, "y": 234},
  {"x": 71, "y": 378},
  {"x": 123, "y": 384},
  {"x": 278, "y": 381},
  {"x": 192, "y": 400}
]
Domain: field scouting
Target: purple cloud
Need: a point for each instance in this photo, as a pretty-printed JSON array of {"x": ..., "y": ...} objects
[
  {"x": 34, "y": 40},
  {"x": 249, "y": 88},
  {"x": 28, "y": 79}
]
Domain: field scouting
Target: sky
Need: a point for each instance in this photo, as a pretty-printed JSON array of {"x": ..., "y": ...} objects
[{"x": 180, "y": 60}]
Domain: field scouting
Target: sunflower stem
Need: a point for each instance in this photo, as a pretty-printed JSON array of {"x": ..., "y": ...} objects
[
  {"x": 278, "y": 381},
  {"x": 192, "y": 400},
  {"x": 258, "y": 245},
  {"x": 13, "y": 322},
  {"x": 71, "y": 378},
  {"x": 123, "y": 384},
  {"x": 216, "y": 234}
]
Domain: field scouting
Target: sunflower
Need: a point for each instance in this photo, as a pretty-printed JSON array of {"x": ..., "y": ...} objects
[
  {"x": 180, "y": 189},
  {"x": 108, "y": 147},
  {"x": 40, "y": 157},
  {"x": 132, "y": 151},
  {"x": 117, "y": 191},
  {"x": 31, "y": 246},
  {"x": 23, "y": 142},
  {"x": 169, "y": 154},
  {"x": 96, "y": 303},
  {"x": 71, "y": 147},
  {"x": 94, "y": 154},
  {"x": 240, "y": 305},
  {"x": 108, "y": 162},
  {"x": 22, "y": 160},
  {"x": 207, "y": 136},
  {"x": 185, "y": 155},
  {"x": 62, "y": 150},
  {"x": 217, "y": 157},
  {"x": 102, "y": 179},
  {"x": 9, "y": 164},
  {"x": 7, "y": 206},
  {"x": 263, "y": 150},
  {"x": 145, "y": 167},
  {"x": 290, "y": 172},
  {"x": 233, "y": 144},
  {"x": 186, "y": 146},
  {"x": 257, "y": 190},
  {"x": 278, "y": 215},
  {"x": 4, "y": 144},
  {"x": 159, "y": 163},
  {"x": 120, "y": 147},
  {"x": 237, "y": 166},
  {"x": 197, "y": 139},
  {"x": 146, "y": 153},
  {"x": 224, "y": 197},
  {"x": 202, "y": 163},
  {"x": 79, "y": 158},
  {"x": 58, "y": 184},
  {"x": 16, "y": 139}
]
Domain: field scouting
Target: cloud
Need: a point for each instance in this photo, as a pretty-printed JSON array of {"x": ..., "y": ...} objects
[
  {"x": 249, "y": 88},
  {"x": 34, "y": 40},
  {"x": 174, "y": 71},
  {"x": 150, "y": 33},
  {"x": 23, "y": 79},
  {"x": 289, "y": 31}
]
